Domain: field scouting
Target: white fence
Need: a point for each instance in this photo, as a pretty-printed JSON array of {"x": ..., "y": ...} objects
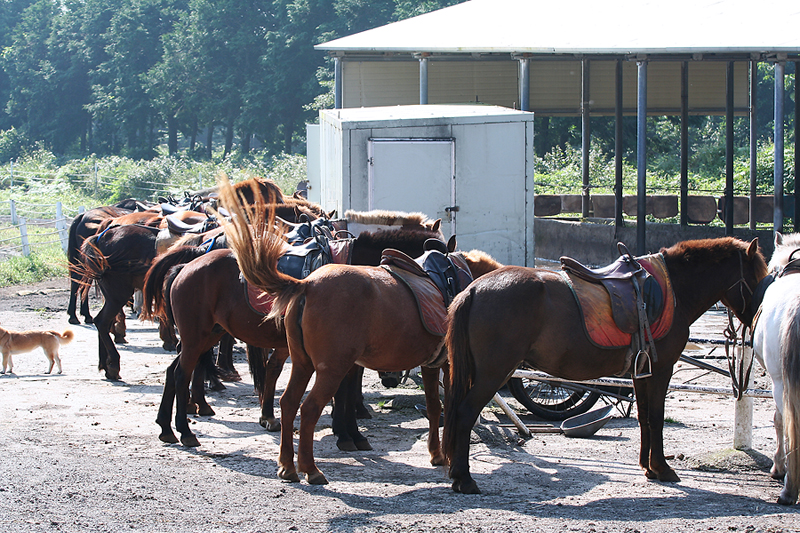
[{"x": 23, "y": 215}]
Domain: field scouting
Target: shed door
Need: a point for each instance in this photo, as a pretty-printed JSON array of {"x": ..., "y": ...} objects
[{"x": 414, "y": 175}]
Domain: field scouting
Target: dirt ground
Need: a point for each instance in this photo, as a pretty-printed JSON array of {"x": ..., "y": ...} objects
[{"x": 79, "y": 453}]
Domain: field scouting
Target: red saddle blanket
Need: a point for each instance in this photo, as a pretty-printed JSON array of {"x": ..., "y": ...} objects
[
  {"x": 260, "y": 302},
  {"x": 595, "y": 306},
  {"x": 430, "y": 301}
]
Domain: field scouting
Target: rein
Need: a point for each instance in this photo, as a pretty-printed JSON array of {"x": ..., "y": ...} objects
[{"x": 739, "y": 380}]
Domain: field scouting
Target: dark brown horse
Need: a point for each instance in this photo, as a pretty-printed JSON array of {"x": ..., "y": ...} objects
[
  {"x": 340, "y": 315},
  {"x": 518, "y": 314},
  {"x": 117, "y": 259},
  {"x": 83, "y": 226},
  {"x": 171, "y": 290}
]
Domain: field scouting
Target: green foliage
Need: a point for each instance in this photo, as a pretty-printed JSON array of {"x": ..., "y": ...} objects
[
  {"x": 36, "y": 267},
  {"x": 13, "y": 144}
]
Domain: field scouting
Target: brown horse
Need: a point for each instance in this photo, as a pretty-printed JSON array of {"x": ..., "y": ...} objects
[
  {"x": 340, "y": 315},
  {"x": 171, "y": 290},
  {"x": 518, "y": 314}
]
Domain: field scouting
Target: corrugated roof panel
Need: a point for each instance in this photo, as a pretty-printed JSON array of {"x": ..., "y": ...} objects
[
  {"x": 380, "y": 83},
  {"x": 590, "y": 27}
]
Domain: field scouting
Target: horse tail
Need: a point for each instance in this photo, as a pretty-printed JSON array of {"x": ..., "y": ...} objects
[
  {"x": 257, "y": 359},
  {"x": 790, "y": 361},
  {"x": 93, "y": 265},
  {"x": 205, "y": 364},
  {"x": 73, "y": 246},
  {"x": 153, "y": 288},
  {"x": 166, "y": 313},
  {"x": 462, "y": 367},
  {"x": 258, "y": 246}
]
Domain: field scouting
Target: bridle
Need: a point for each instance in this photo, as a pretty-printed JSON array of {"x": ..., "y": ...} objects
[
  {"x": 740, "y": 379},
  {"x": 742, "y": 283}
]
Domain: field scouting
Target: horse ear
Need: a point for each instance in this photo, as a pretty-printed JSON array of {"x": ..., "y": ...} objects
[
  {"x": 331, "y": 215},
  {"x": 752, "y": 249},
  {"x": 436, "y": 225},
  {"x": 451, "y": 244},
  {"x": 778, "y": 238}
]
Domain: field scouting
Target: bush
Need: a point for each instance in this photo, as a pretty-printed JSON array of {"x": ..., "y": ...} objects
[{"x": 13, "y": 145}]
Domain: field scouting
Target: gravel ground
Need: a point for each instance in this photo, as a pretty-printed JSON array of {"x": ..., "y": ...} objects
[{"x": 79, "y": 453}]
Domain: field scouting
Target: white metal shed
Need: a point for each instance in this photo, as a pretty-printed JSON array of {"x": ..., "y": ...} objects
[{"x": 470, "y": 165}]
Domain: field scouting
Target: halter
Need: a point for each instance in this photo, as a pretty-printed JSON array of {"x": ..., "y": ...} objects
[
  {"x": 742, "y": 283},
  {"x": 739, "y": 380}
]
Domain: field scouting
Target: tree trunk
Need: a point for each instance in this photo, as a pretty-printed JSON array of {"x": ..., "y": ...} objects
[
  {"x": 287, "y": 137},
  {"x": 172, "y": 134},
  {"x": 209, "y": 139},
  {"x": 228, "y": 139},
  {"x": 193, "y": 137},
  {"x": 246, "y": 143}
]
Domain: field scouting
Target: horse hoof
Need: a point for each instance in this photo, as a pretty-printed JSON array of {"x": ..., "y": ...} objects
[
  {"x": 113, "y": 376},
  {"x": 217, "y": 386},
  {"x": 783, "y": 499},
  {"x": 669, "y": 476},
  {"x": 191, "y": 408},
  {"x": 346, "y": 445},
  {"x": 363, "y": 445},
  {"x": 169, "y": 347},
  {"x": 775, "y": 474},
  {"x": 270, "y": 424},
  {"x": 288, "y": 475},
  {"x": 169, "y": 438},
  {"x": 206, "y": 411},
  {"x": 74, "y": 320},
  {"x": 88, "y": 320},
  {"x": 438, "y": 459},
  {"x": 466, "y": 488},
  {"x": 120, "y": 340},
  {"x": 318, "y": 478},
  {"x": 362, "y": 413},
  {"x": 190, "y": 441},
  {"x": 231, "y": 376}
]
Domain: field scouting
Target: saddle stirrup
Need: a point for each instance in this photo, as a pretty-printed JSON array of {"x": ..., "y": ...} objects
[{"x": 645, "y": 364}]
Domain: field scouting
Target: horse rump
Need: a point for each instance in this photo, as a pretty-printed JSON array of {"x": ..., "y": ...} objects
[{"x": 790, "y": 362}]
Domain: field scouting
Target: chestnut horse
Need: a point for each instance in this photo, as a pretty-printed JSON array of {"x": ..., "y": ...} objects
[
  {"x": 171, "y": 290},
  {"x": 338, "y": 316},
  {"x": 519, "y": 314}
]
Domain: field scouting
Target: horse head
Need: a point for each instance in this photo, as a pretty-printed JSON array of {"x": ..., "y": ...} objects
[{"x": 752, "y": 268}]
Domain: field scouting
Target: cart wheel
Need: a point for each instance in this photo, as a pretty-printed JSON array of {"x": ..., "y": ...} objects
[{"x": 549, "y": 400}]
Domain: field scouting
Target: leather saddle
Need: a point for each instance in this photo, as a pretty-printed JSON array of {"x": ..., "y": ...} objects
[
  {"x": 306, "y": 229},
  {"x": 434, "y": 279},
  {"x": 301, "y": 260},
  {"x": 178, "y": 227},
  {"x": 622, "y": 280}
]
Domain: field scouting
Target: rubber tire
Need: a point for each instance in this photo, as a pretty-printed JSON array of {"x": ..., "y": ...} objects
[{"x": 573, "y": 403}]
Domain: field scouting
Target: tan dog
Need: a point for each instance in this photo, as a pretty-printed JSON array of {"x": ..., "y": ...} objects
[{"x": 12, "y": 342}]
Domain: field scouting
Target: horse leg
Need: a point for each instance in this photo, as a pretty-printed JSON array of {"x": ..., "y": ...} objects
[
  {"x": 74, "y": 294},
  {"x": 198, "y": 394},
  {"x": 290, "y": 403},
  {"x": 321, "y": 393},
  {"x": 655, "y": 390},
  {"x": 466, "y": 415},
  {"x": 778, "y": 470},
  {"x": 119, "y": 328},
  {"x": 109, "y": 356},
  {"x": 274, "y": 367},
  {"x": 165, "y": 409},
  {"x": 361, "y": 408},
  {"x": 225, "y": 359},
  {"x": 345, "y": 420},
  {"x": 182, "y": 375},
  {"x": 430, "y": 382},
  {"x": 166, "y": 332}
]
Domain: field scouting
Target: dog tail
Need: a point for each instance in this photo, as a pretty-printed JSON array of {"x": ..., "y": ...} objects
[{"x": 65, "y": 337}]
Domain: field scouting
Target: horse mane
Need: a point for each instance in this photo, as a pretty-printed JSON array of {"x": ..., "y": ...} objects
[
  {"x": 388, "y": 218},
  {"x": 387, "y": 238},
  {"x": 269, "y": 189},
  {"x": 480, "y": 262},
  {"x": 783, "y": 249},
  {"x": 709, "y": 253}
]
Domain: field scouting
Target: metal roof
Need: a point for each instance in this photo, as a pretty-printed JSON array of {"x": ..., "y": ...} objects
[{"x": 590, "y": 27}]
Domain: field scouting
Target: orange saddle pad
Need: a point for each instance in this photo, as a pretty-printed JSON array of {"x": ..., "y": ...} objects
[{"x": 595, "y": 306}]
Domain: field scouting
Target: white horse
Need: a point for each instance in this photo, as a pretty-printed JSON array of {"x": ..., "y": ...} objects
[{"x": 776, "y": 344}]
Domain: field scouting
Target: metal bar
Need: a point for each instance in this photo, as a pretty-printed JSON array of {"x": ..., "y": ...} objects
[
  {"x": 619, "y": 382},
  {"x": 753, "y": 142},
  {"x": 641, "y": 158},
  {"x": 704, "y": 366},
  {"x": 520, "y": 425},
  {"x": 796, "y": 217},
  {"x": 586, "y": 137},
  {"x": 618, "y": 147},
  {"x": 777, "y": 176},
  {"x": 729, "y": 149},
  {"x": 684, "y": 143},
  {"x": 524, "y": 84},
  {"x": 337, "y": 82},
  {"x": 423, "y": 80}
]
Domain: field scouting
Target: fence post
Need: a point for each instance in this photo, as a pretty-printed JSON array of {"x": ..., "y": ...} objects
[
  {"x": 95, "y": 180},
  {"x": 14, "y": 220},
  {"x": 23, "y": 233},
  {"x": 61, "y": 226},
  {"x": 743, "y": 412},
  {"x": 12, "y": 173}
]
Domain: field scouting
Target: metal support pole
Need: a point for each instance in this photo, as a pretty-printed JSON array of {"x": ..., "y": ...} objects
[
  {"x": 729, "y": 149},
  {"x": 423, "y": 79},
  {"x": 743, "y": 411},
  {"x": 618, "y": 221},
  {"x": 641, "y": 157},
  {"x": 13, "y": 206},
  {"x": 61, "y": 227},
  {"x": 524, "y": 84},
  {"x": 685, "y": 143},
  {"x": 777, "y": 176},
  {"x": 586, "y": 137},
  {"x": 337, "y": 83},
  {"x": 796, "y": 214},
  {"x": 753, "y": 142}
]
